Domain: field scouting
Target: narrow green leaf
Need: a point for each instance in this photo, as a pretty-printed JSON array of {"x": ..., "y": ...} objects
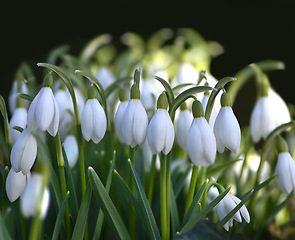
[
  {"x": 26, "y": 97},
  {"x": 116, "y": 84},
  {"x": 175, "y": 224},
  {"x": 70, "y": 181},
  {"x": 237, "y": 208},
  {"x": 54, "y": 182},
  {"x": 3, "y": 110},
  {"x": 185, "y": 95},
  {"x": 104, "y": 201},
  {"x": 219, "y": 85},
  {"x": 246, "y": 73},
  {"x": 93, "y": 45},
  {"x": 212, "y": 171},
  {"x": 166, "y": 85},
  {"x": 193, "y": 220},
  {"x": 194, "y": 205},
  {"x": 79, "y": 228},
  {"x": 55, "y": 53},
  {"x": 144, "y": 204},
  {"x": 60, "y": 216},
  {"x": 4, "y": 233},
  {"x": 100, "y": 217}
]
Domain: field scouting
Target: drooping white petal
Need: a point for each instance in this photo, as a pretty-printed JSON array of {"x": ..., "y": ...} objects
[
  {"x": 71, "y": 149},
  {"x": 99, "y": 121},
  {"x": 23, "y": 153},
  {"x": 44, "y": 109},
  {"x": 105, "y": 76},
  {"x": 118, "y": 120},
  {"x": 53, "y": 127},
  {"x": 285, "y": 172},
  {"x": 243, "y": 210},
  {"x": 227, "y": 130},
  {"x": 214, "y": 112},
  {"x": 45, "y": 203},
  {"x": 13, "y": 95},
  {"x": 170, "y": 134},
  {"x": 201, "y": 143},
  {"x": 19, "y": 118},
  {"x": 86, "y": 120},
  {"x": 184, "y": 122},
  {"x": 31, "y": 120},
  {"x": 15, "y": 184}
]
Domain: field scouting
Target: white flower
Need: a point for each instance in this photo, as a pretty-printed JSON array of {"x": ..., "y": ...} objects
[
  {"x": 15, "y": 184},
  {"x": 215, "y": 109},
  {"x": 263, "y": 119},
  {"x": 118, "y": 120},
  {"x": 34, "y": 200},
  {"x": 93, "y": 121},
  {"x": 105, "y": 76},
  {"x": 71, "y": 149},
  {"x": 43, "y": 112},
  {"x": 227, "y": 130},
  {"x": 19, "y": 118},
  {"x": 187, "y": 74},
  {"x": 201, "y": 143},
  {"x": 226, "y": 205},
  {"x": 149, "y": 94},
  {"x": 134, "y": 123},
  {"x": 161, "y": 132},
  {"x": 184, "y": 122},
  {"x": 285, "y": 172},
  {"x": 23, "y": 153}
]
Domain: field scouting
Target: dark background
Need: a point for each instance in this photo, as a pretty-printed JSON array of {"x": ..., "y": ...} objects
[{"x": 248, "y": 31}]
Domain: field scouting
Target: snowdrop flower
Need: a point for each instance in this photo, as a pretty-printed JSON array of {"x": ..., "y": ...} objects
[
  {"x": 149, "y": 94},
  {"x": 15, "y": 184},
  {"x": 184, "y": 122},
  {"x": 201, "y": 142},
  {"x": 187, "y": 74},
  {"x": 119, "y": 115},
  {"x": 24, "y": 152},
  {"x": 43, "y": 112},
  {"x": 226, "y": 205},
  {"x": 19, "y": 118},
  {"x": 105, "y": 76},
  {"x": 161, "y": 130},
  {"x": 34, "y": 200},
  {"x": 71, "y": 149},
  {"x": 93, "y": 119},
  {"x": 285, "y": 168},
  {"x": 226, "y": 128},
  {"x": 135, "y": 120},
  {"x": 15, "y": 90}
]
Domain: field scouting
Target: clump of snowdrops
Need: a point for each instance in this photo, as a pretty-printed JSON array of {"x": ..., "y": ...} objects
[{"x": 144, "y": 143}]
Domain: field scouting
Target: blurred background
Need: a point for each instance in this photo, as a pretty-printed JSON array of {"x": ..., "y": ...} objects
[{"x": 248, "y": 31}]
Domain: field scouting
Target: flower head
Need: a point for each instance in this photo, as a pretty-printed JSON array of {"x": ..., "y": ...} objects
[
  {"x": 161, "y": 130},
  {"x": 134, "y": 120},
  {"x": 226, "y": 128},
  {"x": 93, "y": 119},
  {"x": 24, "y": 152},
  {"x": 19, "y": 118},
  {"x": 71, "y": 149},
  {"x": 43, "y": 112},
  {"x": 201, "y": 142}
]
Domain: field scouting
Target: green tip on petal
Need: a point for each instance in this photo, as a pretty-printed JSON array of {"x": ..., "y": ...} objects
[
  {"x": 183, "y": 106},
  {"x": 282, "y": 145},
  {"x": 134, "y": 93},
  {"x": 92, "y": 92},
  {"x": 162, "y": 101},
  {"x": 225, "y": 100},
  {"x": 48, "y": 80},
  {"x": 197, "y": 109}
]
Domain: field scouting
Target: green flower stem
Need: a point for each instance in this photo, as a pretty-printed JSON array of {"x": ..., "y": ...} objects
[
  {"x": 151, "y": 179},
  {"x": 62, "y": 176},
  {"x": 168, "y": 184},
  {"x": 131, "y": 208},
  {"x": 163, "y": 196},
  {"x": 3, "y": 110},
  {"x": 191, "y": 190},
  {"x": 81, "y": 160}
]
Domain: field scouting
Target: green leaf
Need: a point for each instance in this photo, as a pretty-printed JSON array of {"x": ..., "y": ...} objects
[
  {"x": 204, "y": 229},
  {"x": 166, "y": 85},
  {"x": 56, "y": 52},
  {"x": 104, "y": 201},
  {"x": 70, "y": 181},
  {"x": 174, "y": 212},
  {"x": 60, "y": 216},
  {"x": 3, "y": 110},
  {"x": 212, "y": 171},
  {"x": 231, "y": 213},
  {"x": 26, "y": 97},
  {"x": 194, "y": 219},
  {"x": 93, "y": 45},
  {"x": 185, "y": 95},
  {"x": 219, "y": 85},
  {"x": 194, "y": 205},
  {"x": 4, "y": 234},
  {"x": 152, "y": 228},
  {"x": 79, "y": 229}
]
